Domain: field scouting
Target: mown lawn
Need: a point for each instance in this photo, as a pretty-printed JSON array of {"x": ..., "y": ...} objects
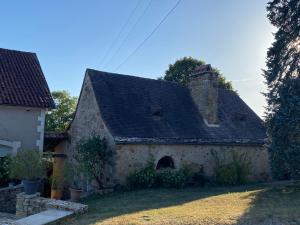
[{"x": 277, "y": 203}]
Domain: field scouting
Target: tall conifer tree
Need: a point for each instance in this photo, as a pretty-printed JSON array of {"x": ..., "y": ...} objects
[{"x": 283, "y": 96}]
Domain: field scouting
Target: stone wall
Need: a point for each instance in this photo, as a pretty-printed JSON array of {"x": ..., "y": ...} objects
[
  {"x": 135, "y": 157},
  {"x": 32, "y": 204},
  {"x": 88, "y": 122},
  {"x": 8, "y": 198}
]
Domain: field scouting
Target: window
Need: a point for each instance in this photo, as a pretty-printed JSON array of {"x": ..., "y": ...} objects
[{"x": 156, "y": 112}]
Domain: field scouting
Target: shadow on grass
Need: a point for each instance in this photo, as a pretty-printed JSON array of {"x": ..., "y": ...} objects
[
  {"x": 277, "y": 203},
  {"x": 117, "y": 204}
]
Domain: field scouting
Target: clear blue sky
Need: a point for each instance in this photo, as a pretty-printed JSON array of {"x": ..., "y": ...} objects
[{"x": 70, "y": 36}]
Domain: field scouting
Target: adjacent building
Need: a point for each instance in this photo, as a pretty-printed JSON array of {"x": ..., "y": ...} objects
[{"x": 24, "y": 100}]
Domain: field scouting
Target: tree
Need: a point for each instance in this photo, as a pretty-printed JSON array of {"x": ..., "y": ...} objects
[
  {"x": 58, "y": 119},
  {"x": 93, "y": 156},
  {"x": 182, "y": 69},
  {"x": 283, "y": 94}
]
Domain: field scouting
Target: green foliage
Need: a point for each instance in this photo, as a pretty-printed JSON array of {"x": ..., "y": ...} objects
[
  {"x": 199, "y": 178},
  {"x": 93, "y": 156},
  {"x": 4, "y": 170},
  {"x": 58, "y": 119},
  {"x": 182, "y": 69},
  {"x": 72, "y": 174},
  {"x": 169, "y": 178},
  {"x": 144, "y": 178},
  {"x": 283, "y": 95},
  {"x": 149, "y": 177},
  {"x": 234, "y": 172},
  {"x": 27, "y": 165}
]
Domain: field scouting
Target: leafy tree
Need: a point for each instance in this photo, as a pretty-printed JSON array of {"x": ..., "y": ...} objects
[
  {"x": 58, "y": 119},
  {"x": 93, "y": 156},
  {"x": 283, "y": 95},
  {"x": 182, "y": 69}
]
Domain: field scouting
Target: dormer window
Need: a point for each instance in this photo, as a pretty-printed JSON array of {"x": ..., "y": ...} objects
[
  {"x": 240, "y": 116},
  {"x": 156, "y": 112}
]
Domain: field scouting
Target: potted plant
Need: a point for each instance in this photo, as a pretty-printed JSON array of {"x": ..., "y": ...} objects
[
  {"x": 56, "y": 187},
  {"x": 28, "y": 166},
  {"x": 72, "y": 175}
]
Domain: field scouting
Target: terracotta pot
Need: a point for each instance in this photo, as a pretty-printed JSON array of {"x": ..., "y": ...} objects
[
  {"x": 56, "y": 194},
  {"x": 75, "y": 194}
]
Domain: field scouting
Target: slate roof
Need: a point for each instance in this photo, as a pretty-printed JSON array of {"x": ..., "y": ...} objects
[
  {"x": 141, "y": 110},
  {"x": 22, "y": 82}
]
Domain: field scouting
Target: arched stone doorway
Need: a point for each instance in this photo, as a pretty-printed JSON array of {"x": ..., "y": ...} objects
[{"x": 165, "y": 162}]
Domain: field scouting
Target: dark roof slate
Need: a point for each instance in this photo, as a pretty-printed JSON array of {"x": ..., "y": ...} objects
[
  {"x": 127, "y": 104},
  {"x": 22, "y": 82}
]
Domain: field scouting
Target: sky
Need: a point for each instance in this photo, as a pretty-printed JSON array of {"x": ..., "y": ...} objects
[{"x": 71, "y": 35}]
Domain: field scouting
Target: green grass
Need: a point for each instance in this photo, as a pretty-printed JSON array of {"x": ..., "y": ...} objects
[{"x": 260, "y": 204}]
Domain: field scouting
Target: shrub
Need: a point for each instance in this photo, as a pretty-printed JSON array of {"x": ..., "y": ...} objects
[
  {"x": 149, "y": 177},
  {"x": 199, "y": 178},
  {"x": 27, "y": 165},
  {"x": 93, "y": 156},
  {"x": 72, "y": 174},
  {"x": 232, "y": 173},
  {"x": 4, "y": 170},
  {"x": 144, "y": 178},
  {"x": 171, "y": 178},
  {"x": 226, "y": 174}
]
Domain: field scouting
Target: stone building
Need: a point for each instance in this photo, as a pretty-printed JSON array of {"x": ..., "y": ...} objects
[
  {"x": 175, "y": 124},
  {"x": 24, "y": 100}
]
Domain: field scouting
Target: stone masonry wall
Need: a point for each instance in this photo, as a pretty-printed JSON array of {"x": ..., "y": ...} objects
[
  {"x": 31, "y": 204},
  {"x": 88, "y": 122},
  {"x": 8, "y": 197},
  {"x": 135, "y": 157}
]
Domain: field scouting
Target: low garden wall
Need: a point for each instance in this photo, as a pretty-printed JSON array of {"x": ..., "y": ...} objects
[
  {"x": 8, "y": 196},
  {"x": 32, "y": 204}
]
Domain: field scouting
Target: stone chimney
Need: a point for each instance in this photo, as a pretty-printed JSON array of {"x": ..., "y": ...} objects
[{"x": 203, "y": 85}]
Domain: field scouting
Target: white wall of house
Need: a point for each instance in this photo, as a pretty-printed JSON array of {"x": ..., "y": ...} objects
[{"x": 21, "y": 128}]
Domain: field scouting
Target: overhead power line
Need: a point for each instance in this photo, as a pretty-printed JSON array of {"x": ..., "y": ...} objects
[
  {"x": 128, "y": 34},
  {"x": 149, "y": 36},
  {"x": 121, "y": 31}
]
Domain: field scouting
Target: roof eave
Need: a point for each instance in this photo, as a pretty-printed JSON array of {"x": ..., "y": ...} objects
[{"x": 188, "y": 141}]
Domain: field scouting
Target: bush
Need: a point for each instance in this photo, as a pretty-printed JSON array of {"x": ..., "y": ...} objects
[
  {"x": 93, "y": 156},
  {"x": 27, "y": 165},
  {"x": 171, "y": 178},
  {"x": 167, "y": 178},
  {"x": 226, "y": 174},
  {"x": 233, "y": 173},
  {"x": 199, "y": 178},
  {"x": 4, "y": 171},
  {"x": 144, "y": 178}
]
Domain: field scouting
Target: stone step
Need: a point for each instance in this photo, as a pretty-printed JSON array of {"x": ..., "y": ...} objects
[{"x": 45, "y": 217}]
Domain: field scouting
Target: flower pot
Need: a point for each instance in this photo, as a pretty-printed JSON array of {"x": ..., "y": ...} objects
[
  {"x": 56, "y": 194},
  {"x": 75, "y": 194},
  {"x": 31, "y": 186}
]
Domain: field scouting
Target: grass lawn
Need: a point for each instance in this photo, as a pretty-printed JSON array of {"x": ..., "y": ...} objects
[{"x": 254, "y": 204}]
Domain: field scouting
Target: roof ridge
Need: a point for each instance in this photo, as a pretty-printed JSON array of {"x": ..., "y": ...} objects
[
  {"x": 17, "y": 51},
  {"x": 133, "y": 76}
]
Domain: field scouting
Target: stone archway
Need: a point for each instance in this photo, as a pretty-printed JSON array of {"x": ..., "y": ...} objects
[{"x": 165, "y": 162}]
